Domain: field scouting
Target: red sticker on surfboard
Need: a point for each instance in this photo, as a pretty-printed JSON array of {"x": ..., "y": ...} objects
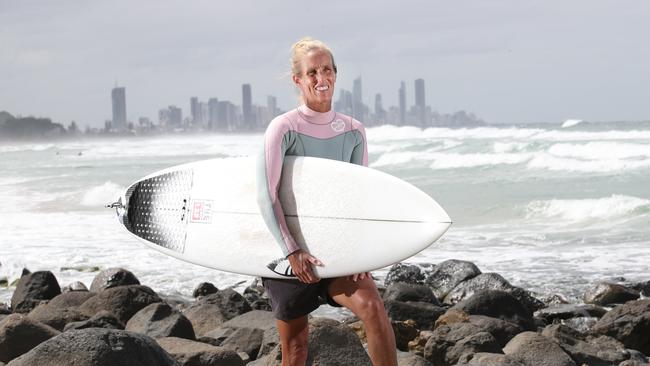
[{"x": 201, "y": 211}]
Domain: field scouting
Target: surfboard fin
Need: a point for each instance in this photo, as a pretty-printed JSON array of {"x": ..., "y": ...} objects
[{"x": 282, "y": 267}]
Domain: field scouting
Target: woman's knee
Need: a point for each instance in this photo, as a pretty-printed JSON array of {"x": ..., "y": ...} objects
[{"x": 370, "y": 307}]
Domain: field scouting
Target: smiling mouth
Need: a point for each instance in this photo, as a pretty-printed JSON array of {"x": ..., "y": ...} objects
[{"x": 322, "y": 88}]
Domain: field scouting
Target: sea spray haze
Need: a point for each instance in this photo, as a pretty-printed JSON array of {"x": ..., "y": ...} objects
[{"x": 553, "y": 209}]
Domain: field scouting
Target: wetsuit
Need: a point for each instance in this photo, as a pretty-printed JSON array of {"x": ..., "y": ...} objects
[{"x": 301, "y": 132}]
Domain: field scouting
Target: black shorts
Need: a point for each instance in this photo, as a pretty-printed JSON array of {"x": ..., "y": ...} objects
[{"x": 291, "y": 299}]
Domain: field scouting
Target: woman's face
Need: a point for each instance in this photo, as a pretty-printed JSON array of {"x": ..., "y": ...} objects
[{"x": 317, "y": 80}]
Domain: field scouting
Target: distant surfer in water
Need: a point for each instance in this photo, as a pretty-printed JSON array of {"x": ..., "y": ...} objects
[{"x": 313, "y": 129}]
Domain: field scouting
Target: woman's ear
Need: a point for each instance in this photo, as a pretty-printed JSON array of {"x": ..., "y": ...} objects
[{"x": 296, "y": 80}]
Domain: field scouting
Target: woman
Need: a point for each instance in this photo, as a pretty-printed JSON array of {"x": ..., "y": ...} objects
[{"x": 313, "y": 129}]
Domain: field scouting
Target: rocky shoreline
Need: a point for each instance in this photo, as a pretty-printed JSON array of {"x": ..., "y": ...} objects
[{"x": 445, "y": 314}]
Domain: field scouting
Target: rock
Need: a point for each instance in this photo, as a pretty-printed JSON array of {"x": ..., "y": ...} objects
[
  {"x": 56, "y": 317},
  {"x": 503, "y": 331},
  {"x": 204, "y": 317},
  {"x": 122, "y": 301},
  {"x": 70, "y": 300},
  {"x": 273, "y": 358},
  {"x": 603, "y": 350},
  {"x": 230, "y": 302},
  {"x": 204, "y": 288},
  {"x": 19, "y": 334},
  {"x": 581, "y": 324},
  {"x": 533, "y": 349},
  {"x": 423, "y": 313},
  {"x": 492, "y": 359},
  {"x": 256, "y": 302},
  {"x": 258, "y": 319},
  {"x": 642, "y": 287},
  {"x": 563, "y": 312},
  {"x": 405, "y": 332},
  {"x": 247, "y": 340},
  {"x": 191, "y": 353},
  {"x": 448, "y": 274},
  {"x": 452, "y": 316},
  {"x": 417, "y": 345},
  {"x": 216, "y": 337},
  {"x": 4, "y": 281},
  {"x": 97, "y": 347},
  {"x": 270, "y": 340},
  {"x": 210, "y": 311},
  {"x": 113, "y": 277},
  {"x": 400, "y": 291},
  {"x": 103, "y": 319},
  {"x": 450, "y": 343},
  {"x": 175, "y": 301},
  {"x": 333, "y": 344},
  {"x": 4, "y": 309},
  {"x": 497, "y": 304},
  {"x": 159, "y": 320},
  {"x": 32, "y": 289},
  {"x": 409, "y": 359},
  {"x": 605, "y": 293},
  {"x": 75, "y": 286},
  {"x": 628, "y": 323},
  {"x": 492, "y": 281},
  {"x": 407, "y": 273}
]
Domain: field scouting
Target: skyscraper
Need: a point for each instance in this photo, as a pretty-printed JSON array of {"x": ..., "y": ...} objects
[
  {"x": 118, "y": 95},
  {"x": 195, "y": 110},
  {"x": 420, "y": 105},
  {"x": 247, "y": 107},
  {"x": 402, "y": 103},
  {"x": 213, "y": 113},
  {"x": 357, "y": 100},
  {"x": 272, "y": 105},
  {"x": 380, "y": 113}
]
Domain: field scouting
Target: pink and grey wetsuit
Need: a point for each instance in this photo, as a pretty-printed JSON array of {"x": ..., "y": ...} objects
[{"x": 303, "y": 132}]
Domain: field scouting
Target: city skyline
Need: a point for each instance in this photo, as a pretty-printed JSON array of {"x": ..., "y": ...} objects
[{"x": 225, "y": 115}]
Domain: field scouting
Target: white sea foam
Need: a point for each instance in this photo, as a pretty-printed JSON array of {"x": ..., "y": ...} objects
[
  {"x": 615, "y": 206},
  {"x": 454, "y": 160},
  {"x": 601, "y": 150},
  {"x": 388, "y": 132},
  {"x": 571, "y": 122},
  {"x": 562, "y": 135},
  {"x": 101, "y": 195},
  {"x": 554, "y": 163},
  {"x": 510, "y": 147}
]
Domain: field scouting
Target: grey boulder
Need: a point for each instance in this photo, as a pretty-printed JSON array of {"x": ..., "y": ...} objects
[
  {"x": 159, "y": 320},
  {"x": 113, "y": 277},
  {"x": 97, "y": 347}
]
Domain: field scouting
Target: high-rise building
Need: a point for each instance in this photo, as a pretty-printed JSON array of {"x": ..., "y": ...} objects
[
  {"x": 213, "y": 113},
  {"x": 357, "y": 100},
  {"x": 402, "y": 103},
  {"x": 380, "y": 113},
  {"x": 272, "y": 105},
  {"x": 118, "y": 96},
  {"x": 420, "y": 105},
  {"x": 247, "y": 107},
  {"x": 171, "y": 117},
  {"x": 195, "y": 111}
]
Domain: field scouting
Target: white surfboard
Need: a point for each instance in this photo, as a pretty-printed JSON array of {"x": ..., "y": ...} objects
[{"x": 354, "y": 219}]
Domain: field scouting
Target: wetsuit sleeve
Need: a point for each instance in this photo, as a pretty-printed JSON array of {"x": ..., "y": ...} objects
[
  {"x": 360, "y": 151},
  {"x": 277, "y": 139}
]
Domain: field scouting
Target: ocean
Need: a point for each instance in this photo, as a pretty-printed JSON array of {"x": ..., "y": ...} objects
[{"x": 552, "y": 209}]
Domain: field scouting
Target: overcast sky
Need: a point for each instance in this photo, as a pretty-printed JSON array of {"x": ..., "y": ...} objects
[{"x": 507, "y": 61}]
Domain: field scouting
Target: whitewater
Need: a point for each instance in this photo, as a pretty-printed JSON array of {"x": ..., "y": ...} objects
[{"x": 552, "y": 209}]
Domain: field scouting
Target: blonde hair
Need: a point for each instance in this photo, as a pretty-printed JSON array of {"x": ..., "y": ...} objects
[{"x": 300, "y": 49}]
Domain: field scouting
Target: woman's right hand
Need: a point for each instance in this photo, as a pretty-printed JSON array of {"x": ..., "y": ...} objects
[{"x": 301, "y": 265}]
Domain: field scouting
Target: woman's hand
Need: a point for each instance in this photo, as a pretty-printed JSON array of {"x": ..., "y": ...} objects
[
  {"x": 359, "y": 276},
  {"x": 301, "y": 265}
]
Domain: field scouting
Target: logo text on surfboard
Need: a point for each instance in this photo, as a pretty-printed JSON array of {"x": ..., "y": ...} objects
[{"x": 201, "y": 211}]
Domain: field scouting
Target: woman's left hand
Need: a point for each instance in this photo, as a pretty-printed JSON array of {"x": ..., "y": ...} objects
[{"x": 359, "y": 276}]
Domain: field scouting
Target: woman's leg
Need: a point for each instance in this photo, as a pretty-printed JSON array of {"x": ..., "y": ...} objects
[
  {"x": 362, "y": 298},
  {"x": 293, "y": 339}
]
